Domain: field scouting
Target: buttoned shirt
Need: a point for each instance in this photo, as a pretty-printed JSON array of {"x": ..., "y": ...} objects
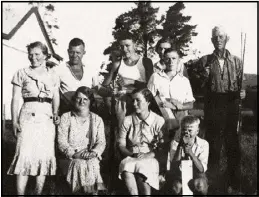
[
  {"x": 200, "y": 149},
  {"x": 137, "y": 135},
  {"x": 220, "y": 80},
  {"x": 178, "y": 88}
]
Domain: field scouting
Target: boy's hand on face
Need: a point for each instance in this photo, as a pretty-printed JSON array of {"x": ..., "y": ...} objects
[{"x": 188, "y": 149}]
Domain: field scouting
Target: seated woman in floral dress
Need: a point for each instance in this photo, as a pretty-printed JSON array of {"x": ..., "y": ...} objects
[
  {"x": 81, "y": 139},
  {"x": 138, "y": 136}
]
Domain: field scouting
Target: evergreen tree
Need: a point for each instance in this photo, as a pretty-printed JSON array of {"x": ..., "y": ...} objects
[
  {"x": 140, "y": 22},
  {"x": 176, "y": 27}
]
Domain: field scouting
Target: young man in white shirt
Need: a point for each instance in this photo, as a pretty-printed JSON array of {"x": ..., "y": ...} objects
[{"x": 174, "y": 87}]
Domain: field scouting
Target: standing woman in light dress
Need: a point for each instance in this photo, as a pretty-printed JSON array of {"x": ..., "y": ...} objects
[
  {"x": 33, "y": 125},
  {"x": 81, "y": 139},
  {"x": 139, "y": 136}
]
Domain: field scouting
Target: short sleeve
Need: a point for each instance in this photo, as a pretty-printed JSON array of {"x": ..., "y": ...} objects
[
  {"x": 160, "y": 126},
  {"x": 152, "y": 84},
  {"x": 204, "y": 155},
  {"x": 189, "y": 95},
  {"x": 55, "y": 77},
  {"x": 123, "y": 132},
  {"x": 18, "y": 78}
]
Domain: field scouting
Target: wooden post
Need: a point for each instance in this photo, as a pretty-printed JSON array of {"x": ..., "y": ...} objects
[{"x": 187, "y": 175}]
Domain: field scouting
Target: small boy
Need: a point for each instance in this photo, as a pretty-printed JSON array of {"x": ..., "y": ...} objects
[{"x": 190, "y": 147}]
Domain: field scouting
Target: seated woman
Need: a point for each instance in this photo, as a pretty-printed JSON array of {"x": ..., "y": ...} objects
[
  {"x": 81, "y": 139},
  {"x": 138, "y": 137}
]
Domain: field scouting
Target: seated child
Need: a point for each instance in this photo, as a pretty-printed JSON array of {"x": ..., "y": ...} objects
[{"x": 190, "y": 147}]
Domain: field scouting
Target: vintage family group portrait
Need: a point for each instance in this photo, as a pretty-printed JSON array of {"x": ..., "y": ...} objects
[{"x": 129, "y": 98}]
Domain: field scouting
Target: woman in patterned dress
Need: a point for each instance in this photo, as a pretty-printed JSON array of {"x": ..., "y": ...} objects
[
  {"x": 81, "y": 140},
  {"x": 34, "y": 125},
  {"x": 138, "y": 137}
]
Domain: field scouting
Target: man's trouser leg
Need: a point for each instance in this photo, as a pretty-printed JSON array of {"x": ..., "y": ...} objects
[{"x": 232, "y": 145}]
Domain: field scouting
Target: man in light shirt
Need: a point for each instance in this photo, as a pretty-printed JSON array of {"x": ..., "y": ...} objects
[
  {"x": 174, "y": 88},
  {"x": 74, "y": 74}
]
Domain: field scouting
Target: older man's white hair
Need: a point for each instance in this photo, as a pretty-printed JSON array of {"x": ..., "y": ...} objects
[{"x": 220, "y": 29}]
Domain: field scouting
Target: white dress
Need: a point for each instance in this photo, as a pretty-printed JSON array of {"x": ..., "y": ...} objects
[{"x": 35, "y": 153}]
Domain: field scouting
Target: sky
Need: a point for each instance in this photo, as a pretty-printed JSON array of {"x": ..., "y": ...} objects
[{"x": 93, "y": 22}]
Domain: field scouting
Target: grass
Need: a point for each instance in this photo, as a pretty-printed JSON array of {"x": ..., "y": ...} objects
[{"x": 56, "y": 185}]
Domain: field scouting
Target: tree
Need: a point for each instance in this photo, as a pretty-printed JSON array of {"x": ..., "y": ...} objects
[
  {"x": 141, "y": 23},
  {"x": 176, "y": 28}
]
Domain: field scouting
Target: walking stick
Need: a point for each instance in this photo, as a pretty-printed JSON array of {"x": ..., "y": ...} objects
[
  {"x": 239, "y": 125},
  {"x": 112, "y": 141}
]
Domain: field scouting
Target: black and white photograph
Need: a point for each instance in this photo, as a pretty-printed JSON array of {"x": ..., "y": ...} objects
[{"x": 129, "y": 98}]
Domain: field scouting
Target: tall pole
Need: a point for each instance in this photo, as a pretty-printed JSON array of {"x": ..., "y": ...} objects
[
  {"x": 241, "y": 45},
  {"x": 241, "y": 80},
  {"x": 112, "y": 142}
]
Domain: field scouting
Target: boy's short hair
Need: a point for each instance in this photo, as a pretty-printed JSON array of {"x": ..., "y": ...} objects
[{"x": 190, "y": 119}]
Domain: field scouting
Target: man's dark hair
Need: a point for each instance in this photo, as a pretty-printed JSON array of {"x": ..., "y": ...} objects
[
  {"x": 171, "y": 49},
  {"x": 76, "y": 42},
  {"x": 127, "y": 36},
  {"x": 163, "y": 40}
]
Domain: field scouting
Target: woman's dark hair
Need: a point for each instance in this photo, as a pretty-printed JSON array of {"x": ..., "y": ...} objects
[
  {"x": 145, "y": 92},
  {"x": 163, "y": 40},
  {"x": 40, "y": 45},
  {"x": 76, "y": 42},
  {"x": 87, "y": 92}
]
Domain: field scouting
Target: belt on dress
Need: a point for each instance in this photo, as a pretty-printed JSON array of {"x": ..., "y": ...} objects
[{"x": 37, "y": 99}]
